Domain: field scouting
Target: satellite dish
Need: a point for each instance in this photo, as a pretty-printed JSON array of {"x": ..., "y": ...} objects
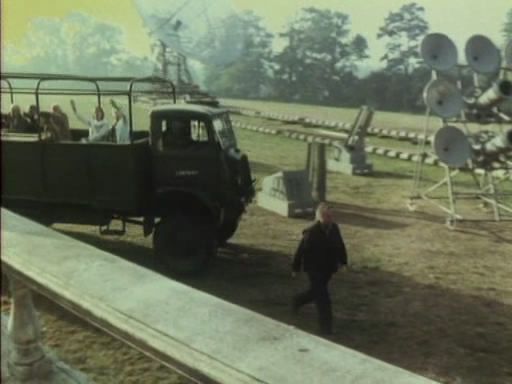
[
  {"x": 193, "y": 28},
  {"x": 439, "y": 52},
  {"x": 452, "y": 146},
  {"x": 508, "y": 54},
  {"x": 482, "y": 55},
  {"x": 443, "y": 98}
]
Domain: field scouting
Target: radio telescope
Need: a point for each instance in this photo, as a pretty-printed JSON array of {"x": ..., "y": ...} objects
[
  {"x": 188, "y": 30},
  {"x": 486, "y": 154}
]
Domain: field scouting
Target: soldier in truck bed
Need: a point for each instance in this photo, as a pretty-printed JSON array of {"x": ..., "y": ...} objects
[
  {"x": 17, "y": 123},
  {"x": 99, "y": 127},
  {"x": 32, "y": 119},
  {"x": 320, "y": 253}
]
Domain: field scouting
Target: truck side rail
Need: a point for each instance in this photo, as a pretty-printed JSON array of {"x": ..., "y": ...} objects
[
  {"x": 149, "y": 79},
  {"x": 95, "y": 80},
  {"x": 10, "y": 91}
]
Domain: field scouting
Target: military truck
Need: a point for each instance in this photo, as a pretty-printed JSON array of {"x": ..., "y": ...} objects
[{"x": 182, "y": 177}]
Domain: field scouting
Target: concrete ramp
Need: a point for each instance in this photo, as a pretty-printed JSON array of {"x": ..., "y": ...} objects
[{"x": 199, "y": 334}]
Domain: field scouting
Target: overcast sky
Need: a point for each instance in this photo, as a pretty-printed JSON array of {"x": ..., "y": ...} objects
[{"x": 457, "y": 18}]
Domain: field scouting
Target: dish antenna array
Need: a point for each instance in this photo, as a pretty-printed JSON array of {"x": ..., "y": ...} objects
[
  {"x": 184, "y": 30},
  {"x": 482, "y": 102}
]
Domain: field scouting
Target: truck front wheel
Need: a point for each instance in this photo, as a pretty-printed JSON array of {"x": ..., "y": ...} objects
[{"x": 184, "y": 245}]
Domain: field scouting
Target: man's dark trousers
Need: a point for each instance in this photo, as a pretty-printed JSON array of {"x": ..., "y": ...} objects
[{"x": 319, "y": 293}]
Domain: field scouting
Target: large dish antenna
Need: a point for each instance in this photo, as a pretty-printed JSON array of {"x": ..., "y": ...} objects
[
  {"x": 438, "y": 52},
  {"x": 452, "y": 146},
  {"x": 443, "y": 98},
  {"x": 192, "y": 28},
  {"x": 482, "y": 55}
]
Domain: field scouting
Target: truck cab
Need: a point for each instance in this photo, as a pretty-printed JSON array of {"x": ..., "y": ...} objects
[{"x": 202, "y": 181}]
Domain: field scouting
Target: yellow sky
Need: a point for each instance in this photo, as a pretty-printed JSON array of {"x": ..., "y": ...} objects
[{"x": 17, "y": 15}]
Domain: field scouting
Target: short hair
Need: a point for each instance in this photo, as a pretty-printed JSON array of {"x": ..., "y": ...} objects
[
  {"x": 15, "y": 108},
  {"x": 56, "y": 108},
  {"x": 322, "y": 207}
]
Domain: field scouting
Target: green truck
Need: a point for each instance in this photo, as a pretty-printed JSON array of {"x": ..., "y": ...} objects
[{"x": 181, "y": 176}]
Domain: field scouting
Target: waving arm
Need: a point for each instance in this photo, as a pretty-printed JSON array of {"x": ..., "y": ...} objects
[{"x": 78, "y": 115}]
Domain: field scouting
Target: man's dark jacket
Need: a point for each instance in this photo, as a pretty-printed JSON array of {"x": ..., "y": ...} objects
[{"x": 320, "y": 250}]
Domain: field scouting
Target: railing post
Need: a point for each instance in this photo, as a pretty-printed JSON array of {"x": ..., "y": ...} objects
[
  {"x": 27, "y": 358},
  {"x": 317, "y": 170}
]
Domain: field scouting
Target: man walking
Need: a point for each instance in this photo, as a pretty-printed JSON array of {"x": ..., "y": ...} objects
[{"x": 320, "y": 253}]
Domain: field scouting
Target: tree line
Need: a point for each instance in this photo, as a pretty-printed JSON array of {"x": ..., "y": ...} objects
[
  {"x": 77, "y": 44},
  {"x": 318, "y": 61},
  {"x": 320, "y": 58}
]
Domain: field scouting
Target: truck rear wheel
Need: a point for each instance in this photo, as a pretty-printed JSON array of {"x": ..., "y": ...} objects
[{"x": 184, "y": 245}]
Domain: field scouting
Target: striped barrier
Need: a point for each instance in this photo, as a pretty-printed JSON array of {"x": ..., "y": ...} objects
[
  {"x": 335, "y": 142},
  {"x": 413, "y": 137},
  {"x": 429, "y": 159}
]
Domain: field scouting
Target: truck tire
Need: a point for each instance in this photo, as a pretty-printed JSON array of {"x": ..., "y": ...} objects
[
  {"x": 226, "y": 231},
  {"x": 184, "y": 245}
]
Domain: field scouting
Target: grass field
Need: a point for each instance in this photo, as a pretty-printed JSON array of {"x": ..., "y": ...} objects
[
  {"x": 420, "y": 296},
  {"x": 386, "y": 120}
]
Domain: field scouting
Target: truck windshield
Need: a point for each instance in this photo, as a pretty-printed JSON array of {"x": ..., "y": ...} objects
[{"x": 224, "y": 132}]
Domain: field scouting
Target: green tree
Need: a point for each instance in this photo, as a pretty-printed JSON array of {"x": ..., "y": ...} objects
[
  {"x": 246, "y": 41},
  {"x": 318, "y": 55},
  {"x": 125, "y": 64},
  {"x": 403, "y": 31},
  {"x": 79, "y": 44},
  {"x": 289, "y": 67},
  {"x": 507, "y": 26}
]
